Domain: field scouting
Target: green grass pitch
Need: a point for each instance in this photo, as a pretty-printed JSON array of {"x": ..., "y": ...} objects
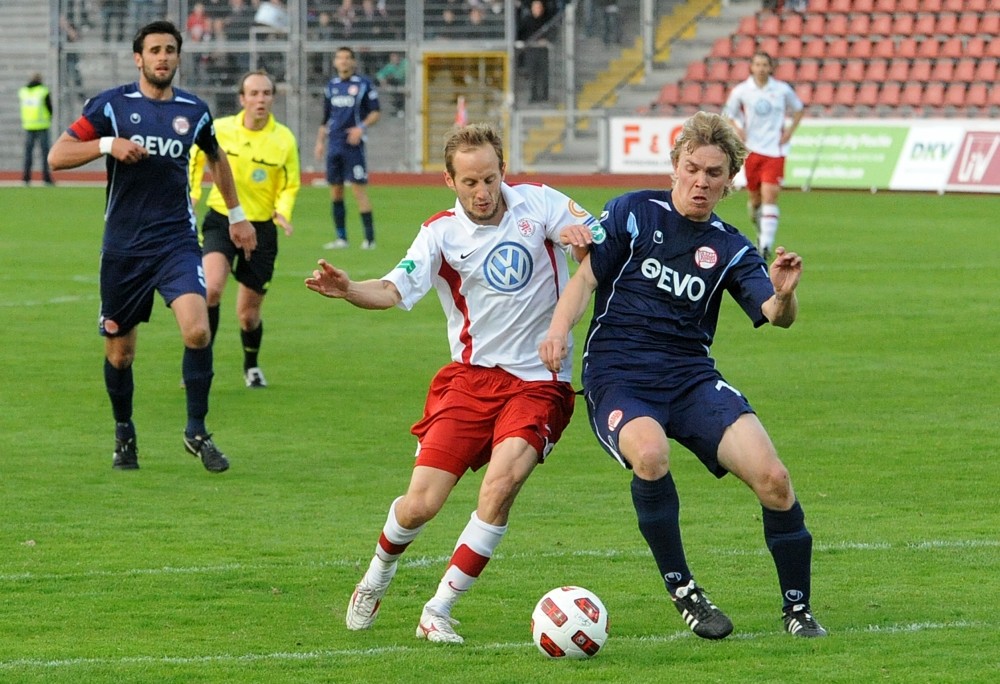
[{"x": 881, "y": 399}]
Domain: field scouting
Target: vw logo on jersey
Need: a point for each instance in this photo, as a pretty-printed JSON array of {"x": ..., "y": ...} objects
[
  {"x": 762, "y": 106},
  {"x": 135, "y": 118},
  {"x": 508, "y": 267}
]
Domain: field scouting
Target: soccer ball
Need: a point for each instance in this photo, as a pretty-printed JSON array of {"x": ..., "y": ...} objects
[{"x": 569, "y": 622}]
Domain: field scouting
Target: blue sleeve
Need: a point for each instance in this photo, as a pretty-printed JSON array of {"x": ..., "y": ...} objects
[{"x": 608, "y": 256}]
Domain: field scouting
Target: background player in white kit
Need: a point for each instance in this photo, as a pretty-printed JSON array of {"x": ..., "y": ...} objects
[
  {"x": 757, "y": 108},
  {"x": 493, "y": 261}
]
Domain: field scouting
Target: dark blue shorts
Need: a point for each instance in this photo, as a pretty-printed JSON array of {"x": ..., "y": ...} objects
[
  {"x": 129, "y": 282},
  {"x": 695, "y": 412},
  {"x": 347, "y": 164}
]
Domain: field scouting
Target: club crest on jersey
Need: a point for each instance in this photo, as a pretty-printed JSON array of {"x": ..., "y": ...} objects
[
  {"x": 508, "y": 267},
  {"x": 526, "y": 227},
  {"x": 614, "y": 418},
  {"x": 352, "y": 89},
  {"x": 705, "y": 257},
  {"x": 181, "y": 125}
]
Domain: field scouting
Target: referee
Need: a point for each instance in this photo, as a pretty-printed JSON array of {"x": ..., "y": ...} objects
[{"x": 265, "y": 161}]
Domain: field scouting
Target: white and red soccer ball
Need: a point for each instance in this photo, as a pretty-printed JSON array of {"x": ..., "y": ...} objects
[{"x": 569, "y": 622}]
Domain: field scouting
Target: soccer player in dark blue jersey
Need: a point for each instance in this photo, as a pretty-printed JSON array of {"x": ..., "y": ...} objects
[
  {"x": 350, "y": 106},
  {"x": 660, "y": 269},
  {"x": 146, "y": 129}
]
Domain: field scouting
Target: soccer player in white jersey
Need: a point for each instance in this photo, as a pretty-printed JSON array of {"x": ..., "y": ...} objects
[
  {"x": 497, "y": 262},
  {"x": 660, "y": 269},
  {"x": 758, "y": 108}
]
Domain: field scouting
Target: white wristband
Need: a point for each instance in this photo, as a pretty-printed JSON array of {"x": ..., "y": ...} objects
[
  {"x": 105, "y": 144},
  {"x": 236, "y": 214}
]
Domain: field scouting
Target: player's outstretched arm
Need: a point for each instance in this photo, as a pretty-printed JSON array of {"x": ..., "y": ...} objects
[
  {"x": 330, "y": 281},
  {"x": 572, "y": 303},
  {"x": 783, "y": 307},
  {"x": 69, "y": 152}
]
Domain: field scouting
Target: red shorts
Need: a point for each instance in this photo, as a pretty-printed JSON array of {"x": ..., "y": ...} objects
[
  {"x": 470, "y": 409},
  {"x": 760, "y": 169}
]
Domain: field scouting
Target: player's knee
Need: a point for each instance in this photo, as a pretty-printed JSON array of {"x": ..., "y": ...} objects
[
  {"x": 774, "y": 487},
  {"x": 197, "y": 337},
  {"x": 412, "y": 511},
  {"x": 121, "y": 359}
]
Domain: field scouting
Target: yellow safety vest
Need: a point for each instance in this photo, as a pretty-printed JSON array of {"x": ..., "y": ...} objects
[{"x": 35, "y": 116}]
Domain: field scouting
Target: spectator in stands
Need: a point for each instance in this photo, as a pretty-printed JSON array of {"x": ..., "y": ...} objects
[
  {"x": 198, "y": 26},
  {"x": 113, "y": 14},
  {"x": 757, "y": 108},
  {"x": 36, "y": 119},
  {"x": 372, "y": 21},
  {"x": 392, "y": 79},
  {"x": 534, "y": 45},
  {"x": 612, "y": 23},
  {"x": 70, "y": 34},
  {"x": 346, "y": 15}
]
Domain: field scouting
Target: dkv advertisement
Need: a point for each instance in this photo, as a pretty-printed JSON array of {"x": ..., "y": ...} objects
[{"x": 942, "y": 155}]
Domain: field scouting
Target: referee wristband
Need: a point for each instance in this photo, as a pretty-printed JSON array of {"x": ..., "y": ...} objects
[
  {"x": 105, "y": 144},
  {"x": 236, "y": 214}
]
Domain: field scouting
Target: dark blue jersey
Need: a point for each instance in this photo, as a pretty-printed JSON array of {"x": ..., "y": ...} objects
[
  {"x": 148, "y": 203},
  {"x": 660, "y": 282},
  {"x": 346, "y": 103}
]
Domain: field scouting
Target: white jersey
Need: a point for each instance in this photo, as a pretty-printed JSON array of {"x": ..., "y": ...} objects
[
  {"x": 762, "y": 110},
  {"x": 498, "y": 285}
]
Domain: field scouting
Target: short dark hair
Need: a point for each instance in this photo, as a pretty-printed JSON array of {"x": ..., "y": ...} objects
[
  {"x": 344, "y": 48},
  {"x": 161, "y": 26}
]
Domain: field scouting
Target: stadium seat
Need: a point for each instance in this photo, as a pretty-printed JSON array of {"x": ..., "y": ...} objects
[
  {"x": 669, "y": 96},
  {"x": 854, "y": 70},
  {"x": 822, "y": 95},
  {"x": 907, "y": 48},
  {"x": 920, "y": 71},
  {"x": 770, "y": 46},
  {"x": 861, "y": 48},
  {"x": 954, "y": 96},
  {"x": 899, "y": 71},
  {"x": 887, "y": 6},
  {"x": 975, "y": 47},
  {"x": 718, "y": 71},
  {"x": 965, "y": 70},
  {"x": 696, "y": 71},
  {"x": 840, "y": 6},
  {"x": 943, "y": 70},
  {"x": 952, "y": 48},
  {"x": 934, "y": 95},
  {"x": 739, "y": 71},
  {"x": 912, "y": 96},
  {"x": 690, "y": 94},
  {"x": 946, "y": 24},
  {"x": 769, "y": 25},
  {"x": 977, "y": 96},
  {"x": 876, "y": 70},
  {"x": 714, "y": 95},
  {"x": 722, "y": 48},
  {"x": 975, "y": 5},
  {"x": 993, "y": 99},
  {"x": 845, "y": 95},
  {"x": 968, "y": 24},
  {"x": 884, "y": 48},
  {"x": 791, "y": 48},
  {"x": 791, "y": 24},
  {"x": 908, "y": 6},
  {"x": 804, "y": 89},
  {"x": 989, "y": 25},
  {"x": 787, "y": 70},
  {"x": 814, "y": 25},
  {"x": 838, "y": 48},
  {"x": 831, "y": 70},
  {"x": 867, "y": 95},
  {"x": 880, "y": 26},
  {"x": 888, "y": 95},
  {"x": 747, "y": 26},
  {"x": 808, "y": 71},
  {"x": 924, "y": 25},
  {"x": 836, "y": 25},
  {"x": 953, "y": 5},
  {"x": 820, "y": 6},
  {"x": 744, "y": 47},
  {"x": 930, "y": 6},
  {"x": 902, "y": 25},
  {"x": 814, "y": 49},
  {"x": 866, "y": 6},
  {"x": 929, "y": 48},
  {"x": 986, "y": 71},
  {"x": 860, "y": 25}
]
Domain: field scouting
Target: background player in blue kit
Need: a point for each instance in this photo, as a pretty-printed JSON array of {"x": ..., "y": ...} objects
[
  {"x": 660, "y": 269},
  {"x": 350, "y": 106},
  {"x": 150, "y": 244}
]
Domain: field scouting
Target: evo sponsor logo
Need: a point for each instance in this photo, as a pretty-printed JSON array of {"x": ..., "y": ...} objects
[
  {"x": 669, "y": 280},
  {"x": 160, "y": 147}
]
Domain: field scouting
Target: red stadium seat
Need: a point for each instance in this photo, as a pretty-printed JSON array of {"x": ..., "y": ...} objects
[
  {"x": 815, "y": 25},
  {"x": 791, "y": 24},
  {"x": 889, "y": 94},
  {"x": 907, "y": 48},
  {"x": 867, "y": 95},
  {"x": 669, "y": 95},
  {"x": 821, "y": 6},
  {"x": 876, "y": 70},
  {"x": 845, "y": 94},
  {"x": 714, "y": 95},
  {"x": 808, "y": 71},
  {"x": 840, "y": 6},
  {"x": 804, "y": 89},
  {"x": 881, "y": 25},
  {"x": 965, "y": 70},
  {"x": 861, "y": 48},
  {"x": 887, "y": 6},
  {"x": 929, "y": 48},
  {"x": 977, "y": 95},
  {"x": 747, "y": 26},
  {"x": 838, "y": 48},
  {"x": 836, "y": 25},
  {"x": 831, "y": 70},
  {"x": 943, "y": 70},
  {"x": 975, "y": 5},
  {"x": 770, "y": 46},
  {"x": 718, "y": 70},
  {"x": 946, "y": 25},
  {"x": 908, "y": 6},
  {"x": 902, "y": 25},
  {"x": 993, "y": 97},
  {"x": 989, "y": 25},
  {"x": 885, "y": 48},
  {"x": 739, "y": 71},
  {"x": 690, "y": 94},
  {"x": 986, "y": 71},
  {"x": 934, "y": 95},
  {"x": 860, "y": 25},
  {"x": 769, "y": 25},
  {"x": 787, "y": 71},
  {"x": 866, "y": 6},
  {"x": 975, "y": 47},
  {"x": 912, "y": 96},
  {"x": 696, "y": 71},
  {"x": 744, "y": 47},
  {"x": 925, "y": 25},
  {"x": 968, "y": 24},
  {"x": 952, "y": 48},
  {"x": 953, "y": 5},
  {"x": 822, "y": 95},
  {"x": 954, "y": 95},
  {"x": 814, "y": 49},
  {"x": 854, "y": 70},
  {"x": 931, "y": 5},
  {"x": 920, "y": 71},
  {"x": 899, "y": 71},
  {"x": 791, "y": 48},
  {"x": 722, "y": 48}
]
